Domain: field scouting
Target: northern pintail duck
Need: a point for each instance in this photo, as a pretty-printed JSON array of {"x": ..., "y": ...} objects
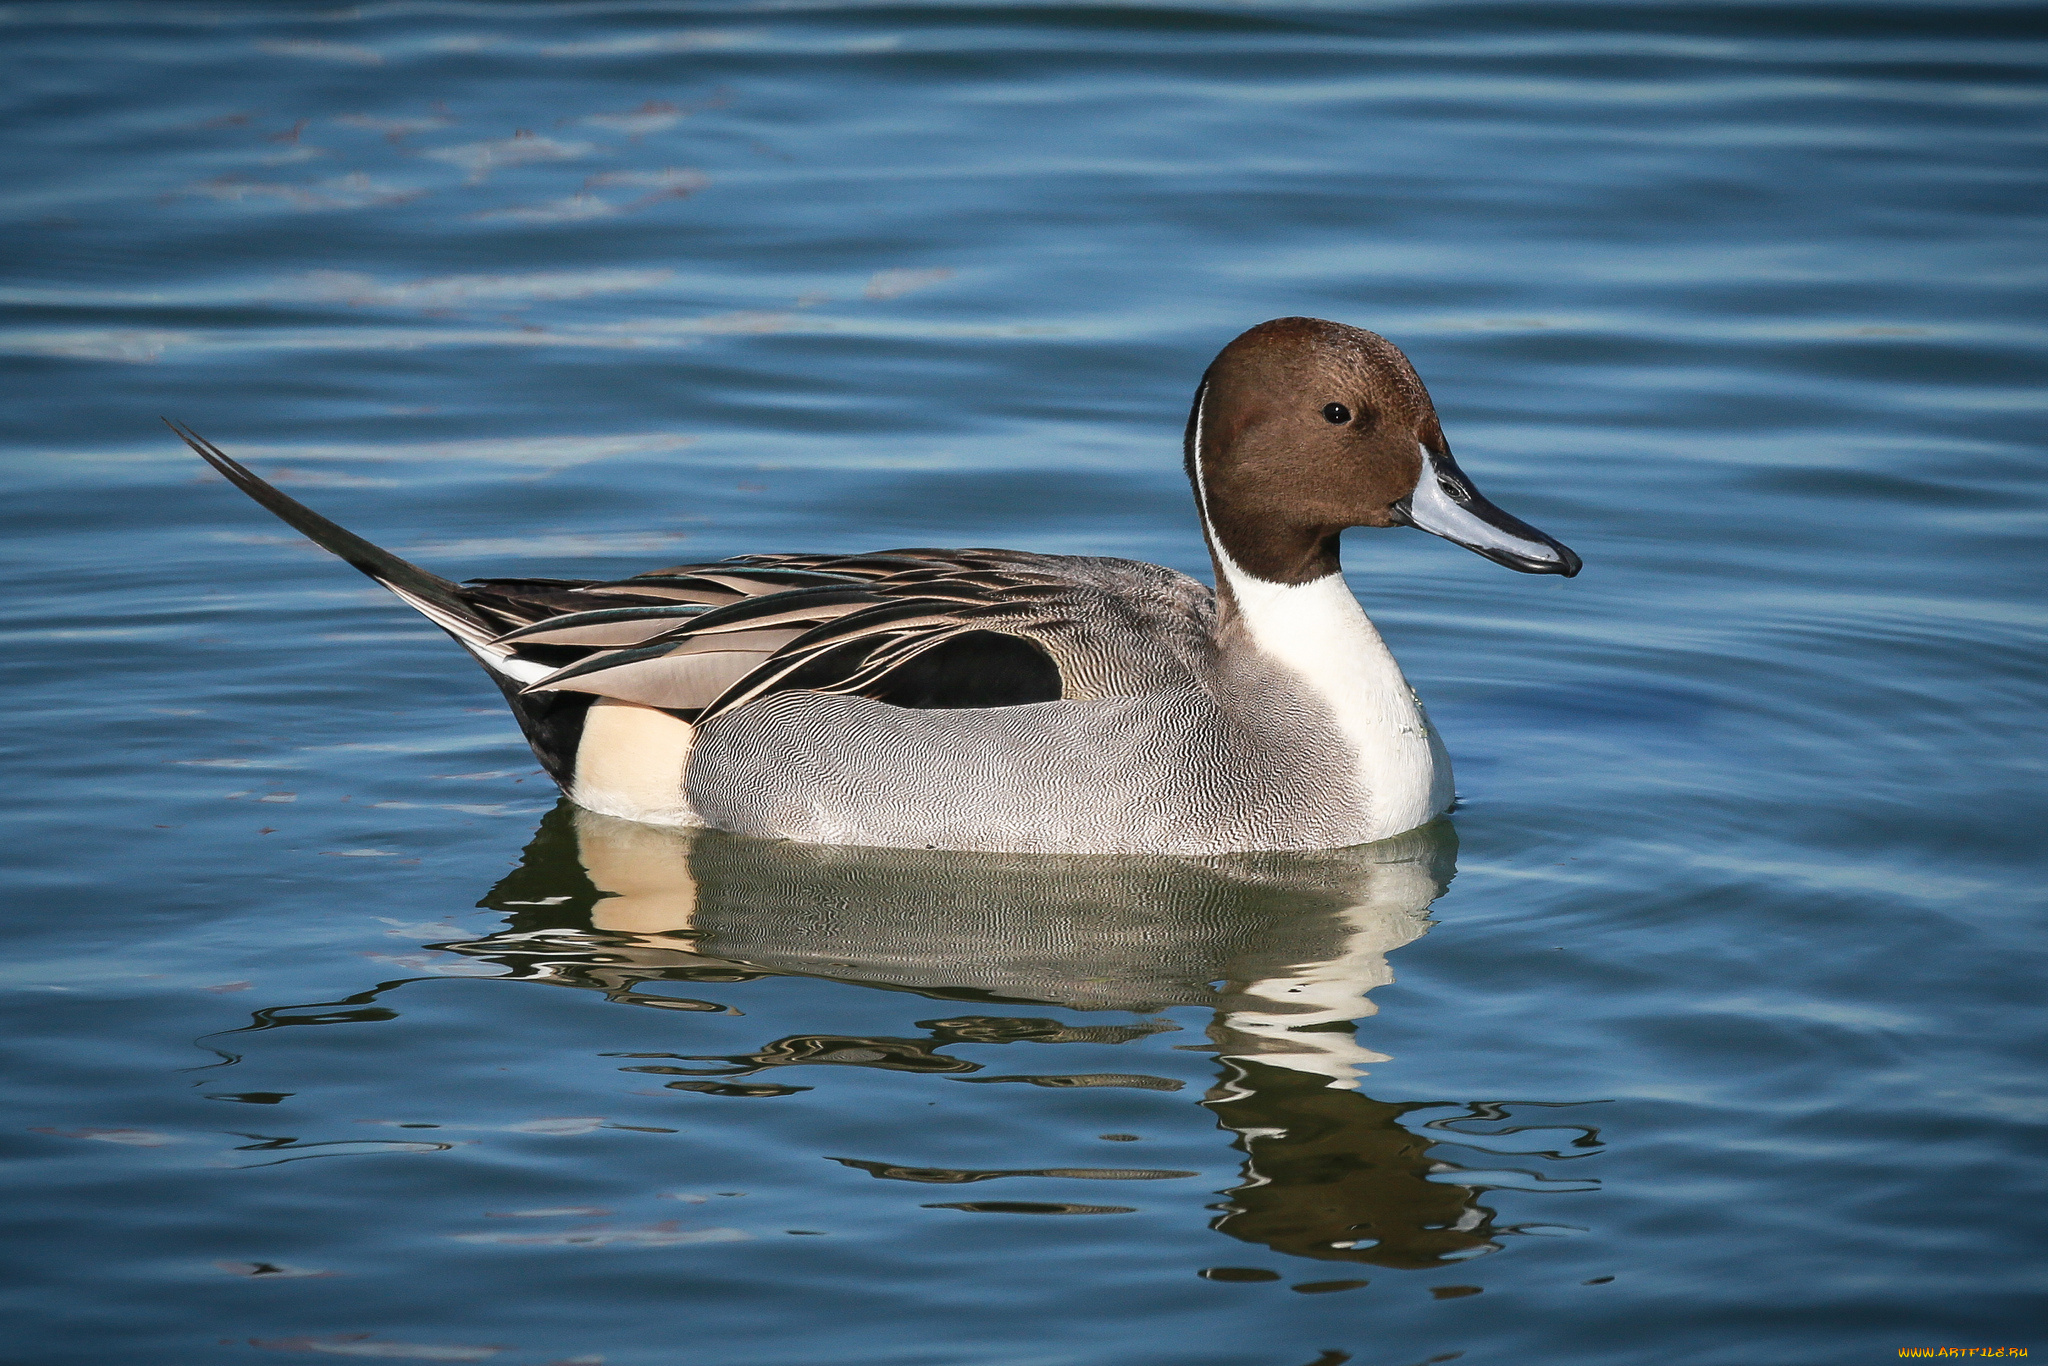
[{"x": 1002, "y": 700}]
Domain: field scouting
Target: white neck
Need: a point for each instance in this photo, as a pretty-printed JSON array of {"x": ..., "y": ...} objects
[{"x": 1318, "y": 632}]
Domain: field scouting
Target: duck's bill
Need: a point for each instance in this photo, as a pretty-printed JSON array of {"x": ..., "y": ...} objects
[{"x": 1446, "y": 504}]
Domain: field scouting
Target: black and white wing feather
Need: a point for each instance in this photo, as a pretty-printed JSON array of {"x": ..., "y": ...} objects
[{"x": 917, "y": 628}]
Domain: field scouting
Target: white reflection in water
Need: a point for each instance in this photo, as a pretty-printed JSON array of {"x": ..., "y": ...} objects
[{"x": 1284, "y": 947}]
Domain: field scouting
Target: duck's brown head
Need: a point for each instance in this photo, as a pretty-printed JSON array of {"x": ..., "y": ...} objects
[{"x": 1302, "y": 428}]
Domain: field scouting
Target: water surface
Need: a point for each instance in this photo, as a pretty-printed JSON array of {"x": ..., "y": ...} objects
[{"x": 1708, "y": 1030}]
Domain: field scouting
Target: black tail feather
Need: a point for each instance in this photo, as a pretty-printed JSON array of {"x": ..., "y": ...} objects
[
  {"x": 553, "y": 722},
  {"x": 375, "y": 561}
]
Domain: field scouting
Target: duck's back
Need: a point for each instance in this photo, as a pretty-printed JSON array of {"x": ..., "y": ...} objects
[
  {"x": 1114, "y": 628},
  {"x": 917, "y": 627}
]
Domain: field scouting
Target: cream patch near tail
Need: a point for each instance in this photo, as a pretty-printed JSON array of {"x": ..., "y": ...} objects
[{"x": 631, "y": 762}]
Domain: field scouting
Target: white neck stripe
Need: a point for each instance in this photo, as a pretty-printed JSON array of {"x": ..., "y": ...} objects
[
  {"x": 1234, "y": 573},
  {"x": 1195, "y": 459}
]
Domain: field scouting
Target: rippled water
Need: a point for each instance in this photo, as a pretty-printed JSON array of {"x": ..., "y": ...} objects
[{"x": 333, "y": 1034}]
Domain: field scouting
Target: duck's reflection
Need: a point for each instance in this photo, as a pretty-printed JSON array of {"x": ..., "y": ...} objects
[{"x": 1283, "y": 948}]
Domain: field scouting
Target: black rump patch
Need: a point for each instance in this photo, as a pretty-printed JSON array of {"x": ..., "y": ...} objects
[{"x": 552, "y": 723}]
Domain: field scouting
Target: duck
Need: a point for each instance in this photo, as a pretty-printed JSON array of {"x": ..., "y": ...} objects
[{"x": 1009, "y": 701}]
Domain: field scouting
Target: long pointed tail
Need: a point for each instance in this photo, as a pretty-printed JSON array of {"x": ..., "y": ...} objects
[
  {"x": 552, "y": 722},
  {"x": 440, "y": 601}
]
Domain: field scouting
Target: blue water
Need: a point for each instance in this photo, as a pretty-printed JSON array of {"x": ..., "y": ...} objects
[{"x": 1725, "y": 1043}]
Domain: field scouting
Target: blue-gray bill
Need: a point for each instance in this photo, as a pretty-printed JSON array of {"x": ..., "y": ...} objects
[{"x": 1446, "y": 503}]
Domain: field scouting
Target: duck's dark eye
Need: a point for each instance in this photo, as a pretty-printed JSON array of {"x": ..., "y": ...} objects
[{"x": 1336, "y": 412}]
